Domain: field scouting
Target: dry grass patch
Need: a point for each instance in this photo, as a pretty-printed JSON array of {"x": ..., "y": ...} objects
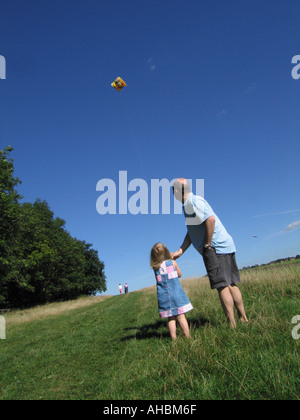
[{"x": 17, "y": 317}]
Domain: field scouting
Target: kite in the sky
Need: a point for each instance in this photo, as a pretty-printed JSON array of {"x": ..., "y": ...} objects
[{"x": 118, "y": 84}]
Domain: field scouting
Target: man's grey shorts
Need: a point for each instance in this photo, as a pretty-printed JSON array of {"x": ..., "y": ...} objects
[{"x": 222, "y": 269}]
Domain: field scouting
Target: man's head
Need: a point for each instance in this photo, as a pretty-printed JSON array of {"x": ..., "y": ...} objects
[{"x": 181, "y": 189}]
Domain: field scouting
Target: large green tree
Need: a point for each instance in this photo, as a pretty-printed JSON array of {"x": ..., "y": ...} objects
[
  {"x": 9, "y": 208},
  {"x": 39, "y": 260}
]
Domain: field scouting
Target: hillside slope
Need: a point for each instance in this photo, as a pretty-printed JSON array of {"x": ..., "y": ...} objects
[{"x": 119, "y": 349}]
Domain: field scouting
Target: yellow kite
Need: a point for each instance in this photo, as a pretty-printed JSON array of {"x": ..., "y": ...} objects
[{"x": 118, "y": 84}]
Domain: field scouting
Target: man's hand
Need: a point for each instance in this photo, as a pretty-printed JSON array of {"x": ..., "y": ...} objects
[{"x": 177, "y": 254}]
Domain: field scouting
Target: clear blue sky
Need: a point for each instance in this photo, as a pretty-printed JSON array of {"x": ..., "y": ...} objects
[{"x": 210, "y": 96}]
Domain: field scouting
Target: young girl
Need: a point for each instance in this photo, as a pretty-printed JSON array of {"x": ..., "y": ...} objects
[{"x": 173, "y": 303}]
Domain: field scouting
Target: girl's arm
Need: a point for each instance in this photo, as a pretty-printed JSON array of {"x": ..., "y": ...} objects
[{"x": 177, "y": 268}]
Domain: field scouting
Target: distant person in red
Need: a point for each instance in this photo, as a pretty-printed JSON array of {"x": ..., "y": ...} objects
[
  {"x": 120, "y": 288},
  {"x": 126, "y": 288}
]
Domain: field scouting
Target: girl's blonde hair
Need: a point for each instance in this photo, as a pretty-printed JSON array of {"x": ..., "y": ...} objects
[{"x": 159, "y": 254}]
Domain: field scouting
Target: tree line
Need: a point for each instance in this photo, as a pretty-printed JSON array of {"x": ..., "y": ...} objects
[{"x": 40, "y": 261}]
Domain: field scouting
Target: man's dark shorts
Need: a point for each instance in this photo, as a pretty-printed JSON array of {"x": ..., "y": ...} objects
[{"x": 222, "y": 269}]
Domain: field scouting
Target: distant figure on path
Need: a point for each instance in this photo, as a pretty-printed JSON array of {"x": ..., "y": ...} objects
[
  {"x": 126, "y": 288},
  {"x": 120, "y": 288},
  {"x": 173, "y": 303},
  {"x": 211, "y": 240}
]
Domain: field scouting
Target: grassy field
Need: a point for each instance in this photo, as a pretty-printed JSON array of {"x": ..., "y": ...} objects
[{"x": 112, "y": 348}]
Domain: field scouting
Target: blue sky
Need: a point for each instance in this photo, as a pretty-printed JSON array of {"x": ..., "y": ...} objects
[{"x": 210, "y": 96}]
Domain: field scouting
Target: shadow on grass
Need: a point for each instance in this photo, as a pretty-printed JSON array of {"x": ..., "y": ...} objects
[{"x": 152, "y": 330}]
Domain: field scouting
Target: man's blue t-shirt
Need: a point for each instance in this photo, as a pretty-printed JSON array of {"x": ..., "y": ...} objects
[{"x": 197, "y": 211}]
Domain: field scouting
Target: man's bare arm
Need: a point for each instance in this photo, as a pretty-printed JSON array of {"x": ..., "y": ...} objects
[
  {"x": 210, "y": 228},
  {"x": 186, "y": 244}
]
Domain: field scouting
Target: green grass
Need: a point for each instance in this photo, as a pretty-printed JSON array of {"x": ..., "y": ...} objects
[{"x": 119, "y": 349}]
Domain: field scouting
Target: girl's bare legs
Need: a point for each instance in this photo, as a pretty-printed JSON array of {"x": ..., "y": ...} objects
[
  {"x": 182, "y": 321},
  {"x": 172, "y": 327}
]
